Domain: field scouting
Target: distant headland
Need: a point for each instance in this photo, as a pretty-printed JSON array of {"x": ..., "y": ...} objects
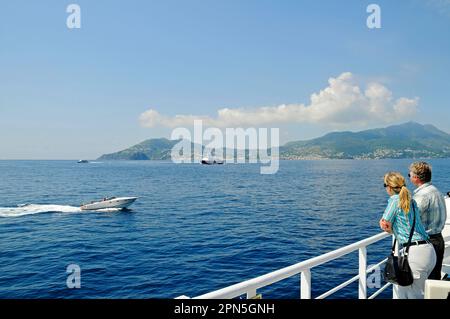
[{"x": 408, "y": 140}]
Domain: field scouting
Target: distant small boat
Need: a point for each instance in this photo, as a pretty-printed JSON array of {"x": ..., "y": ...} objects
[
  {"x": 82, "y": 161},
  {"x": 208, "y": 161},
  {"x": 111, "y": 202}
]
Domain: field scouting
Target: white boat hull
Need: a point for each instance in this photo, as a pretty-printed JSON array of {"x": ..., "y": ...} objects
[
  {"x": 211, "y": 162},
  {"x": 117, "y": 203}
]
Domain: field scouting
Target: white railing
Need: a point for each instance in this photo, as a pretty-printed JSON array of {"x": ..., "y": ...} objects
[{"x": 250, "y": 287}]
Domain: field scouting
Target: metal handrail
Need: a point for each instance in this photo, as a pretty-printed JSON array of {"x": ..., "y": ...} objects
[
  {"x": 379, "y": 291},
  {"x": 249, "y": 287},
  {"x": 350, "y": 281}
]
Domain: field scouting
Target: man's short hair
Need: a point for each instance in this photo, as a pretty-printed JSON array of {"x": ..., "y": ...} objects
[{"x": 422, "y": 170}]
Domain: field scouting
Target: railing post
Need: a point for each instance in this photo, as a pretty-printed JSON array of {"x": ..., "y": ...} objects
[
  {"x": 394, "y": 291},
  {"x": 305, "y": 284},
  {"x": 395, "y": 287},
  {"x": 251, "y": 293},
  {"x": 362, "y": 273}
]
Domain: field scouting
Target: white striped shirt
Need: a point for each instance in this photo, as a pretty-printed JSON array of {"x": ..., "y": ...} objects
[{"x": 431, "y": 203}]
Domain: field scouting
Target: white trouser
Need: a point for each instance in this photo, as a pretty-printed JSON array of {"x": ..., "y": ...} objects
[{"x": 422, "y": 259}]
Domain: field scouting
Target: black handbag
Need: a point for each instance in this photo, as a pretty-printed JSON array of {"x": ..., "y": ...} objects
[{"x": 397, "y": 270}]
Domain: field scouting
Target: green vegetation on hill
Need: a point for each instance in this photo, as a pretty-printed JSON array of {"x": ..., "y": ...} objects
[
  {"x": 409, "y": 140},
  {"x": 153, "y": 149}
]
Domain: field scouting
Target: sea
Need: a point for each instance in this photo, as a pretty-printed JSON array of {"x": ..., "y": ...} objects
[{"x": 194, "y": 228}]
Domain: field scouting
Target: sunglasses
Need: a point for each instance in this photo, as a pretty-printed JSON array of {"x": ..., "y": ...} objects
[{"x": 385, "y": 185}]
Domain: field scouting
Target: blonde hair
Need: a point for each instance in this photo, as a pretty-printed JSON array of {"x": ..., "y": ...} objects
[
  {"x": 422, "y": 170},
  {"x": 398, "y": 184}
]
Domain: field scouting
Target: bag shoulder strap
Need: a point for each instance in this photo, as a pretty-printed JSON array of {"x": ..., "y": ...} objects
[{"x": 412, "y": 228}]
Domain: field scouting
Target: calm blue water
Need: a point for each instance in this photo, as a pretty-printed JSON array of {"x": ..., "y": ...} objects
[{"x": 194, "y": 228}]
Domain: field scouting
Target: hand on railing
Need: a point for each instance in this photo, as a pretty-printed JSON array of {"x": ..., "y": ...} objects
[{"x": 386, "y": 226}]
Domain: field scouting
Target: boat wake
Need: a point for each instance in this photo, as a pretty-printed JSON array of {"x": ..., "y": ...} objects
[{"x": 31, "y": 209}]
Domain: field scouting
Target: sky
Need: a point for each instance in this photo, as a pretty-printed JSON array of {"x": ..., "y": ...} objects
[{"x": 136, "y": 70}]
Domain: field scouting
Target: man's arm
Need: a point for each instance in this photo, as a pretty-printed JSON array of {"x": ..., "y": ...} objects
[{"x": 423, "y": 204}]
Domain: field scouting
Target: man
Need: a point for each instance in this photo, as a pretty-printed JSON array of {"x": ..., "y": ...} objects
[{"x": 432, "y": 210}]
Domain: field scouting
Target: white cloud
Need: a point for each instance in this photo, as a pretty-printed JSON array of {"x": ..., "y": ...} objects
[
  {"x": 406, "y": 107},
  {"x": 341, "y": 104}
]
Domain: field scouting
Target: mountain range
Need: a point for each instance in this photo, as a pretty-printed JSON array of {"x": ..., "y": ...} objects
[{"x": 408, "y": 140}]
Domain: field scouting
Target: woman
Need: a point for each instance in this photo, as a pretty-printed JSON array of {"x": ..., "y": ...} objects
[{"x": 398, "y": 218}]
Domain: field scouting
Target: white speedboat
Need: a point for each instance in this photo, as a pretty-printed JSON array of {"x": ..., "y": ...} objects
[{"x": 110, "y": 202}]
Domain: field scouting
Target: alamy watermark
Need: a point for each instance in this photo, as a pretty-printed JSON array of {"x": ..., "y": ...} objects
[
  {"x": 74, "y": 279},
  {"x": 240, "y": 146},
  {"x": 73, "y": 21},
  {"x": 374, "y": 19},
  {"x": 374, "y": 278}
]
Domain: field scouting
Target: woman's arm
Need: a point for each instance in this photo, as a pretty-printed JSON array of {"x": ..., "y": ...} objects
[{"x": 389, "y": 215}]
